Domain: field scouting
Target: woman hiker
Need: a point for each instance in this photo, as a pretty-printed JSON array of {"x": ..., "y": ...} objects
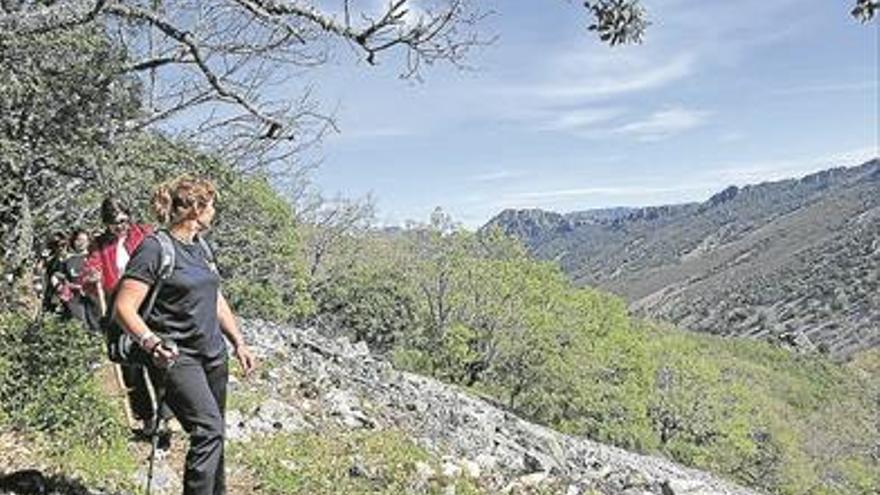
[
  {"x": 78, "y": 305},
  {"x": 184, "y": 330},
  {"x": 107, "y": 258}
]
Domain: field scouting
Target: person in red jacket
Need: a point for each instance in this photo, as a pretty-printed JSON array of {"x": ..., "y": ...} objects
[
  {"x": 104, "y": 265},
  {"x": 110, "y": 251}
]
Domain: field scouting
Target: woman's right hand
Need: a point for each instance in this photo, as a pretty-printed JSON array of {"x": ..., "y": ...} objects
[
  {"x": 164, "y": 356},
  {"x": 93, "y": 275}
]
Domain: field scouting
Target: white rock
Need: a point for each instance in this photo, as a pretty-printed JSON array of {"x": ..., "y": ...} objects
[
  {"x": 450, "y": 470},
  {"x": 165, "y": 480},
  {"x": 533, "y": 479},
  {"x": 510, "y": 487},
  {"x": 234, "y": 421},
  {"x": 471, "y": 469},
  {"x": 688, "y": 487},
  {"x": 424, "y": 472},
  {"x": 487, "y": 462},
  {"x": 360, "y": 349}
]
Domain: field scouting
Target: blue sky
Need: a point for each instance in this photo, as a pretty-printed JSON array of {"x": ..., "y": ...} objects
[{"x": 720, "y": 93}]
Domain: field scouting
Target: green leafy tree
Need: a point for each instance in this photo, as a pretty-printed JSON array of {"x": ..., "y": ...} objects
[
  {"x": 259, "y": 252},
  {"x": 373, "y": 306},
  {"x": 61, "y": 101}
]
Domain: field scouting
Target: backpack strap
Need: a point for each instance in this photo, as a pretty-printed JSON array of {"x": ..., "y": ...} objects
[
  {"x": 209, "y": 253},
  {"x": 166, "y": 268},
  {"x": 166, "y": 261}
]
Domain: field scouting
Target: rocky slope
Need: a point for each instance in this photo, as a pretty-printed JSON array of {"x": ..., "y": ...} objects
[
  {"x": 310, "y": 383},
  {"x": 794, "y": 260},
  {"x": 314, "y": 383}
]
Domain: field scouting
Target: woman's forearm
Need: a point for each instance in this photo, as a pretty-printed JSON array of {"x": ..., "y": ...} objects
[
  {"x": 128, "y": 300},
  {"x": 227, "y": 322}
]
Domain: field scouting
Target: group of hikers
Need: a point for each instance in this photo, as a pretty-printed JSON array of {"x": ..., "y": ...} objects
[
  {"x": 111, "y": 277},
  {"x": 81, "y": 271}
]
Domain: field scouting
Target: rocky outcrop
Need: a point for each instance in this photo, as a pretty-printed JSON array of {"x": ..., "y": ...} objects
[
  {"x": 532, "y": 226},
  {"x": 311, "y": 382}
]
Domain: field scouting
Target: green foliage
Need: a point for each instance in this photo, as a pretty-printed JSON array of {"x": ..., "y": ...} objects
[
  {"x": 65, "y": 109},
  {"x": 62, "y": 99},
  {"x": 48, "y": 384},
  {"x": 374, "y": 307},
  {"x": 482, "y": 314},
  {"x": 771, "y": 419},
  {"x": 111, "y": 465},
  {"x": 245, "y": 399},
  {"x": 49, "y": 391},
  {"x": 317, "y": 463},
  {"x": 259, "y": 252}
]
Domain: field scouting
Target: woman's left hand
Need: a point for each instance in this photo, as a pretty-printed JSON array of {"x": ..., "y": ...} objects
[{"x": 246, "y": 359}]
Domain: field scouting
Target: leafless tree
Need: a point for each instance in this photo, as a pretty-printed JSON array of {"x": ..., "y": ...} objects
[
  {"x": 227, "y": 64},
  {"x": 219, "y": 61},
  {"x": 329, "y": 226}
]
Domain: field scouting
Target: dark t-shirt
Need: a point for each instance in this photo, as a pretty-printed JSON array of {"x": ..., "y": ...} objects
[
  {"x": 72, "y": 266},
  {"x": 186, "y": 305}
]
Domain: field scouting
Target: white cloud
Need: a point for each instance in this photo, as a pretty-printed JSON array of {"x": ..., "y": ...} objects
[
  {"x": 732, "y": 137},
  {"x": 777, "y": 169},
  {"x": 661, "y": 124},
  {"x": 607, "y": 191},
  {"x": 586, "y": 92},
  {"x": 578, "y": 119},
  {"x": 497, "y": 176},
  {"x": 664, "y": 123},
  {"x": 592, "y": 77},
  {"x": 376, "y": 132},
  {"x": 693, "y": 187}
]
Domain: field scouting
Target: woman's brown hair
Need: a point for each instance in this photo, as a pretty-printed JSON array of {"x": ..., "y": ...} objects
[{"x": 182, "y": 198}]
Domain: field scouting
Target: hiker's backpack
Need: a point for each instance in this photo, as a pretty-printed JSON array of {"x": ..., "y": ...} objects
[{"x": 121, "y": 346}]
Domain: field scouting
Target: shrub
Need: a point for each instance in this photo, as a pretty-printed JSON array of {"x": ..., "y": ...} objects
[
  {"x": 48, "y": 384},
  {"x": 371, "y": 306}
]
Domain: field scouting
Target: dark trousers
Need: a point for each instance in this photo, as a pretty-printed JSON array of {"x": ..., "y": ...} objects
[
  {"x": 195, "y": 389},
  {"x": 83, "y": 309}
]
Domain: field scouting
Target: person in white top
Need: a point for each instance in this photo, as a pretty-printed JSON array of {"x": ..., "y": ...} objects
[{"x": 108, "y": 256}]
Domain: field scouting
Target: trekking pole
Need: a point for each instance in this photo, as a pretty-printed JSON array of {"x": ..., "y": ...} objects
[
  {"x": 154, "y": 438},
  {"x": 157, "y": 412}
]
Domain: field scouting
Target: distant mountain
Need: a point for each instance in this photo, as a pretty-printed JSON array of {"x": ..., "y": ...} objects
[{"x": 795, "y": 260}]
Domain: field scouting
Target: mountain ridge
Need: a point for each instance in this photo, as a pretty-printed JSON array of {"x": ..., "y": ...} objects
[{"x": 745, "y": 262}]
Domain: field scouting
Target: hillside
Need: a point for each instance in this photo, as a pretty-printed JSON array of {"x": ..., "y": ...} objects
[
  {"x": 326, "y": 410},
  {"x": 794, "y": 260}
]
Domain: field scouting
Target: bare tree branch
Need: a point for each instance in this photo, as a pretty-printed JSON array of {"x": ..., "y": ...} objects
[{"x": 222, "y": 60}]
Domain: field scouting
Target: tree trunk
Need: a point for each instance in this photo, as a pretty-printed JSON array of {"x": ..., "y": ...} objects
[{"x": 21, "y": 263}]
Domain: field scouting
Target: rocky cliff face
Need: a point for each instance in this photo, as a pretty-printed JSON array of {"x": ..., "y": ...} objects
[
  {"x": 793, "y": 260},
  {"x": 312, "y": 382}
]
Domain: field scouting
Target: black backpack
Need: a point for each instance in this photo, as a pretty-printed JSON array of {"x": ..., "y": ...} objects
[{"x": 121, "y": 346}]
